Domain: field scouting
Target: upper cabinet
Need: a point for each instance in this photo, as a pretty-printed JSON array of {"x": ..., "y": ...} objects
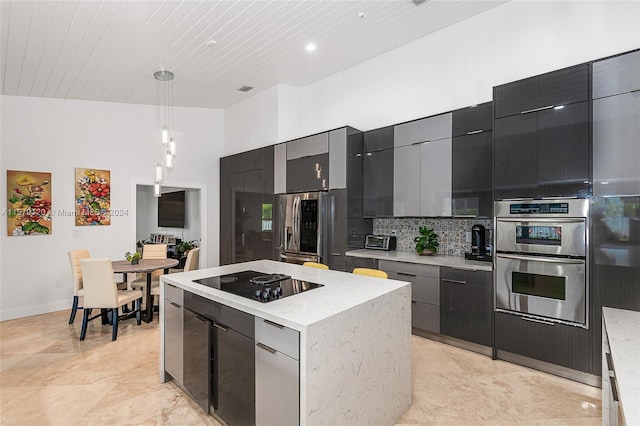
[
  {"x": 542, "y": 142},
  {"x": 422, "y": 167},
  {"x": 308, "y": 163},
  {"x": 472, "y": 161},
  {"x": 616, "y": 127},
  {"x": 377, "y": 169}
]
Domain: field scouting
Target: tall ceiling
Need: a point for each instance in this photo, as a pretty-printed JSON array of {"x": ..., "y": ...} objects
[{"x": 108, "y": 50}]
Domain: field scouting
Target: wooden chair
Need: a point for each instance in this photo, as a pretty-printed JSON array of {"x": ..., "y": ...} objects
[
  {"x": 315, "y": 265},
  {"x": 101, "y": 292},
  {"x": 191, "y": 264},
  {"x": 371, "y": 272},
  {"x": 76, "y": 275}
]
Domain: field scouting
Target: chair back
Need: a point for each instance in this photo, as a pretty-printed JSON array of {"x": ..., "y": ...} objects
[
  {"x": 371, "y": 272},
  {"x": 76, "y": 270},
  {"x": 154, "y": 251},
  {"x": 193, "y": 260},
  {"x": 100, "y": 288},
  {"x": 315, "y": 265}
]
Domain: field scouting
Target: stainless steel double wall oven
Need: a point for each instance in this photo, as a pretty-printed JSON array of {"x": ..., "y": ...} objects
[{"x": 540, "y": 261}]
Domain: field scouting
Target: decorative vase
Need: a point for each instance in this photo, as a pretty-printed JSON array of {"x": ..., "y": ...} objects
[
  {"x": 426, "y": 253},
  {"x": 135, "y": 261}
]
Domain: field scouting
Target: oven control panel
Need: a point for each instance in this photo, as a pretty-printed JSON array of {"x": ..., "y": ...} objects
[{"x": 539, "y": 208}]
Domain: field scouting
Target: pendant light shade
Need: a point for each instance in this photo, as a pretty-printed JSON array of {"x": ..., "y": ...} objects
[
  {"x": 164, "y": 122},
  {"x": 156, "y": 189},
  {"x": 172, "y": 147},
  {"x": 159, "y": 172},
  {"x": 168, "y": 160}
]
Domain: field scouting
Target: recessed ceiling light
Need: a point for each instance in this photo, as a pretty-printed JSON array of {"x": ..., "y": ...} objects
[
  {"x": 311, "y": 47},
  {"x": 245, "y": 88},
  {"x": 211, "y": 43},
  {"x": 418, "y": 2},
  {"x": 360, "y": 14}
]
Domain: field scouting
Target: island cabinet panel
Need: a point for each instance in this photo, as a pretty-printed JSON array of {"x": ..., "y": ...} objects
[
  {"x": 472, "y": 161},
  {"x": 559, "y": 344},
  {"x": 277, "y": 368},
  {"x": 425, "y": 291},
  {"x": 542, "y": 137},
  {"x": 377, "y": 170},
  {"x": 466, "y": 305},
  {"x": 173, "y": 329}
]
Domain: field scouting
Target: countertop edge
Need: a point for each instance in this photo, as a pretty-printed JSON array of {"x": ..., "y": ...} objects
[{"x": 458, "y": 262}]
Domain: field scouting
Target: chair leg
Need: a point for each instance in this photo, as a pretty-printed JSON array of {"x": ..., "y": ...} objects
[
  {"x": 74, "y": 309},
  {"x": 138, "y": 308},
  {"x": 85, "y": 320},
  {"x": 114, "y": 333}
]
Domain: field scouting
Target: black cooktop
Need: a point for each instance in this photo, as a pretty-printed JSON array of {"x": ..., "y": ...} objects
[{"x": 258, "y": 285}]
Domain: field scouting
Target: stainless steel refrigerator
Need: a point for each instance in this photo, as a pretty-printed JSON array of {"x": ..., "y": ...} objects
[{"x": 302, "y": 219}]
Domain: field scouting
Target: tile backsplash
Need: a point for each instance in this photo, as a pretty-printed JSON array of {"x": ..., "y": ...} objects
[{"x": 450, "y": 230}]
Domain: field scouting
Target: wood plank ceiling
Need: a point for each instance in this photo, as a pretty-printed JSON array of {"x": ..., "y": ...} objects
[{"x": 108, "y": 50}]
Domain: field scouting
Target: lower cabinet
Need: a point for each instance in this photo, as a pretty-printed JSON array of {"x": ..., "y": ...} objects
[
  {"x": 556, "y": 343},
  {"x": 466, "y": 306},
  {"x": 425, "y": 291},
  {"x": 277, "y": 374},
  {"x": 173, "y": 333},
  {"x": 196, "y": 357}
]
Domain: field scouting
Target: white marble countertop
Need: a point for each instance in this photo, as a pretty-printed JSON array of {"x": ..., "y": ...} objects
[
  {"x": 437, "y": 259},
  {"x": 623, "y": 330},
  {"x": 341, "y": 292}
]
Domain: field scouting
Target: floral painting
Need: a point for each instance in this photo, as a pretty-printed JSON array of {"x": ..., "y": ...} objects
[
  {"x": 93, "y": 197},
  {"x": 29, "y": 203}
]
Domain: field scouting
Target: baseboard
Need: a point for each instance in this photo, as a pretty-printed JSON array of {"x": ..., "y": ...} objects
[
  {"x": 28, "y": 311},
  {"x": 463, "y": 344}
]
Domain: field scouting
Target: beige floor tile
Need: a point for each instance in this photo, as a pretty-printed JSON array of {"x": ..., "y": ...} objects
[{"x": 42, "y": 361}]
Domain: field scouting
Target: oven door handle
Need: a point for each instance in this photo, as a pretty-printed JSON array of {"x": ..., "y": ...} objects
[
  {"x": 541, "y": 219},
  {"x": 542, "y": 259}
]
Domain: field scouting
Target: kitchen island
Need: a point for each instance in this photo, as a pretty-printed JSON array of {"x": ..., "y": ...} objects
[{"x": 354, "y": 339}]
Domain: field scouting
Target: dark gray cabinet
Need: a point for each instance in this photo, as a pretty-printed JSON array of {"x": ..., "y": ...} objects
[
  {"x": 472, "y": 161},
  {"x": 196, "y": 357},
  {"x": 542, "y": 138},
  {"x": 246, "y": 203},
  {"x": 616, "y": 128},
  {"x": 377, "y": 172},
  {"x": 309, "y": 173},
  {"x": 559, "y": 344},
  {"x": 466, "y": 305}
]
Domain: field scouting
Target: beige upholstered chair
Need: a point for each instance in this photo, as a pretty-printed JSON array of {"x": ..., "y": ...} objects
[
  {"x": 191, "y": 264},
  {"x": 315, "y": 265},
  {"x": 371, "y": 272},
  {"x": 150, "y": 251},
  {"x": 76, "y": 276},
  {"x": 101, "y": 292}
]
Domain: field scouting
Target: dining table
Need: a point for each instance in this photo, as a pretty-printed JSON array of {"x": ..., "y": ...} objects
[{"x": 147, "y": 266}]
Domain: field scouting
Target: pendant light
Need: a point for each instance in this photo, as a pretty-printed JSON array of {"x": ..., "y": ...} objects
[{"x": 164, "y": 120}]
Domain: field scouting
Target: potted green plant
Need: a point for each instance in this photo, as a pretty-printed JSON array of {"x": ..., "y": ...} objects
[
  {"x": 184, "y": 247},
  {"x": 134, "y": 257},
  {"x": 427, "y": 243}
]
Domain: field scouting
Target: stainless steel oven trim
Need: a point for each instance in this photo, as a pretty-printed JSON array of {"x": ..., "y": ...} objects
[{"x": 573, "y": 237}]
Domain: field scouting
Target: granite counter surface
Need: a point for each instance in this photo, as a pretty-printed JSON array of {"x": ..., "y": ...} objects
[
  {"x": 623, "y": 330},
  {"x": 437, "y": 259}
]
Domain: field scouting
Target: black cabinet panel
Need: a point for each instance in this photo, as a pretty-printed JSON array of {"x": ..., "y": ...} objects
[
  {"x": 472, "y": 175},
  {"x": 308, "y": 173},
  {"x": 516, "y": 156},
  {"x": 377, "y": 183},
  {"x": 378, "y": 139},
  {"x": 466, "y": 305},
  {"x": 562, "y": 87},
  {"x": 563, "y": 151},
  {"x": 472, "y": 119},
  {"x": 558, "y": 344},
  {"x": 196, "y": 358}
]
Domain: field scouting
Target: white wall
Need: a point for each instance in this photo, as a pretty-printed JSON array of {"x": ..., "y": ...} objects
[
  {"x": 51, "y": 135},
  {"x": 453, "y": 68}
]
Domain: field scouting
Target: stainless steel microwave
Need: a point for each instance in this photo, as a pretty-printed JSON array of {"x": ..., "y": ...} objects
[{"x": 380, "y": 242}]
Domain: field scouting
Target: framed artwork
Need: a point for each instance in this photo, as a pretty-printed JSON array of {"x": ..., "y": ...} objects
[
  {"x": 28, "y": 203},
  {"x": 93, "y": 197}
]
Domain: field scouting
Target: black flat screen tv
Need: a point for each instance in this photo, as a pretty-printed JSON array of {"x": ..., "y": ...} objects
[{"x": 171, "y": 210}]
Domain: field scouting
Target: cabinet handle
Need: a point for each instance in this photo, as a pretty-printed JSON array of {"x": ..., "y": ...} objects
[
  {"x": 273, "y": 324},
  {"x": 614, "y": 389},
  {"x": 243, "y": 239},
  {"x": 538, "y": 321},
  {"x": 420, "y": 143},
  {"x": 336, "y": 254},
  {"x": 220, "y": 327},
  {"x": 537, "y": 109},
  {"x": 175, "y": 304},
  {"x": 462, "y": 269},
  {"x": 405, "y": 274},
  {"x": 454, "y": 281},
  {"x": 609, "y": 361},
  {"x": 266, "y": 348},
  {"x": 197, "y": 318},
  {"x": 414, "y": 301},
  {"x": 473, "y": 132}
]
